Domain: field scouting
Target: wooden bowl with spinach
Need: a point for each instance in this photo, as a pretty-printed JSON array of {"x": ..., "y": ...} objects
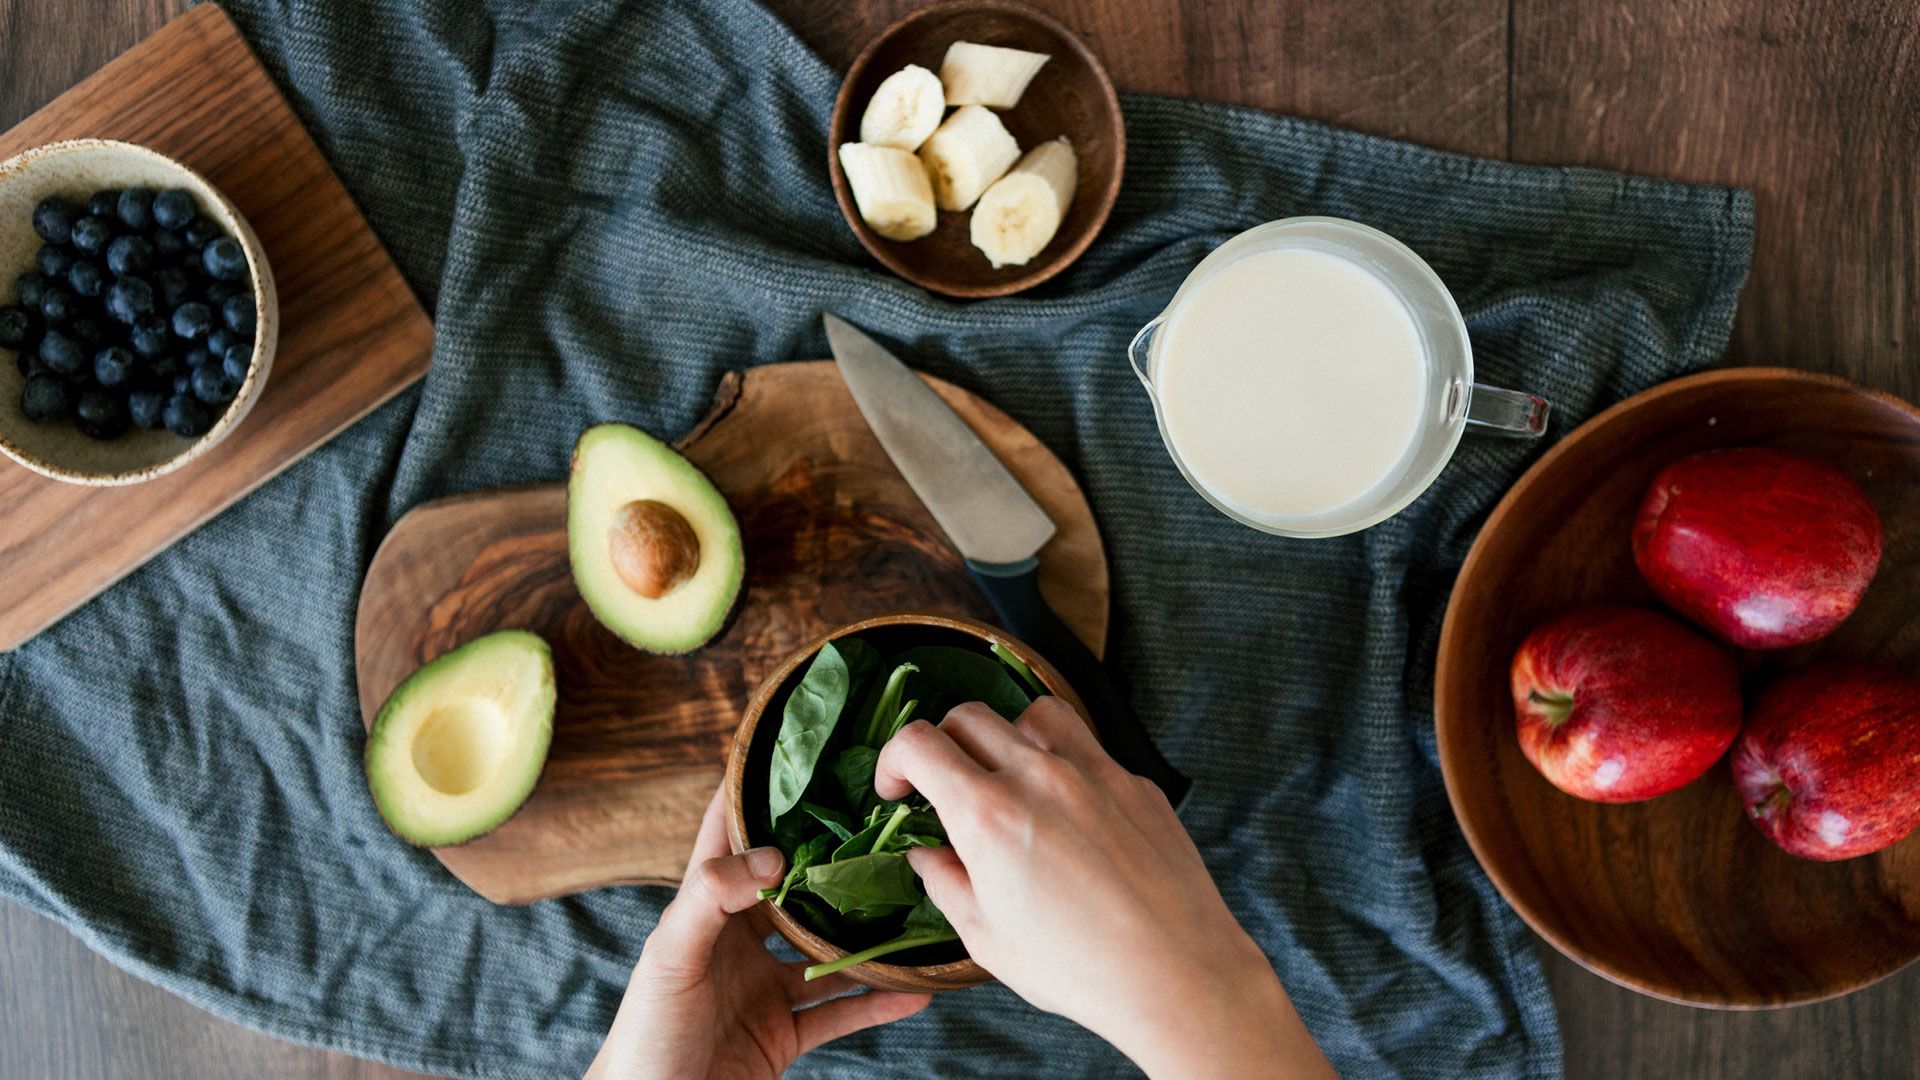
[{"x": 800, "y": 777}]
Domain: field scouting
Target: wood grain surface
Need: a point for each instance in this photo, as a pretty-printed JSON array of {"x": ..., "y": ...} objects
[
  {"x": 833, "y": 535},
  {"x": 351, "y": 333},
  {"x": 1679, "y": 896},
  {"x": 1727, "y": 90}
]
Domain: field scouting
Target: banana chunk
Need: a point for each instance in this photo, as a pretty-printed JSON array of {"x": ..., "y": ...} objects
[
  {"x": 891, "y": 189},
  {"x": 904, "y": 110},
  {"x": 1019, "y": 214},
  {"x": 966, "y": 154},
  {"x": 988, "y": 74}
]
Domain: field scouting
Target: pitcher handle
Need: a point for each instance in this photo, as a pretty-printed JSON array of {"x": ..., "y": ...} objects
[
  {"x": 1510, "y": 413},
  {"x": 1137, "y": 350}
]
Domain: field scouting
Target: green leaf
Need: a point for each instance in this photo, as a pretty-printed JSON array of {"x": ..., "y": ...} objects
[
  {"x": 950, "y": 676},
  {"x": 925, "y": 925},
  {"x": 854, "y": 769},
  {"x": 919, "y": 828},
  {"x": 1021, "y": 669},
  {"x": 861, "y": 843},
  {"x": 806, "y": 724},
  {"x": 863, "y": 665},
  {"x": 837, "y": 823},
  {"x": 866, "y": 883},
  {"x": 879, "y": 727},
  {"x": 884, "y": 842},
  {"x": 806, "y": 855}
]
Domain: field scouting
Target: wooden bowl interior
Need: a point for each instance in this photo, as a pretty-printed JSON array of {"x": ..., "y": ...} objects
[
  {"x": 1679, "y": 897},
  {"x": 935, "y": 968},
  {"x": 1070, "y": 96}
]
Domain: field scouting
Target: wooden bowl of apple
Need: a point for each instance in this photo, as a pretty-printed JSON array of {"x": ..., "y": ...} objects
[{"x": 1678, "y": 692}]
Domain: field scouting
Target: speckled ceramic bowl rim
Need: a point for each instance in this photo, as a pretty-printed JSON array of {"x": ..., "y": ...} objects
[{"x": 265, "y": 309}]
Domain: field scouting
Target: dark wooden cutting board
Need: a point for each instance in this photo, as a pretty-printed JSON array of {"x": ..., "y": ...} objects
[
  {"x": 351, "y": 333},
  {"x": 833, "y": 534}
]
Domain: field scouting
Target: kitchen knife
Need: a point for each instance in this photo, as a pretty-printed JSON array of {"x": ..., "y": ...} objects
[{"x": 996, "y": 526}]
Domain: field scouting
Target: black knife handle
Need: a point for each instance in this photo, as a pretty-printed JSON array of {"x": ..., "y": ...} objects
[{"x": 1014, "y": 591}]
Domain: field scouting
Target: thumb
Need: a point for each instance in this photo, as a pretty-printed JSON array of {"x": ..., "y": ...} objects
[
  {"x": 947, "y": 884},
  {"x": 713, "y": 892}
]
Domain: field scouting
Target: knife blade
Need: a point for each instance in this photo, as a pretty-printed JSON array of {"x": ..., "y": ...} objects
[{"x": 997, "y": 527}]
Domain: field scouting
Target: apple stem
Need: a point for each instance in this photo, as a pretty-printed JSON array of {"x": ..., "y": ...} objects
[
  {"x": 1776, "y": 802},
  {"x": 1557, "y": 706}
]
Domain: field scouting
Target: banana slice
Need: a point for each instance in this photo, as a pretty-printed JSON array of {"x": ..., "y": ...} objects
[
  {"x": 904, "y": 110},
  {"x": 890, "y": 187},
  {"x": 966, "y": 154},
  {"x": 1019, "y": 214},
  {"x": 988, "y": 74}
]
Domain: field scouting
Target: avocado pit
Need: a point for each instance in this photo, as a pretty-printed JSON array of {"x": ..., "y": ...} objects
[{"x": 653, "y": 547}]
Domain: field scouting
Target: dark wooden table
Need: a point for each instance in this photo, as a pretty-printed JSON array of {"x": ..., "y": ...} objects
[{"x": 1815, "y": 104}]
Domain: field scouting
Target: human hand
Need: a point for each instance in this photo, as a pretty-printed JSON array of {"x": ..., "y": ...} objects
[
  {"x": 1071, "y": 880},
  {"x": 707, "y": 1000}
]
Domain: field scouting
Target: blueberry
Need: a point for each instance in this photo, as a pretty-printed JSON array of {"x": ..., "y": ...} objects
[
  {"x": 196, "y": 356},
  {"x": 162, "y": 369},
  {"x": 173, "y": 208},
  {"x": 211, "y": 385},
  {"x": 100, "y": 415},
  {"x": 53, "y": 219},
  {"x": 45, "y": 399},
  {"x": 91, "y": 235},
  {"x": 199, "y": 232},
  {"x": 225, "y": 259},
  {"x": 170, "y": 282},
  {"x": 237, "y": 311},
  {"x": 28, "y": 287},
  {"x": 144, "y": 408},
  {"x": 16, "y": 326},
  {"x": 219, "y": 341},
  {"x": 61, "y": 353},
  {"x": 186, "y": 417},
  {"x": 53, "y": 261},
  {"x": 58, "y": 304},
  {"x": 219, "y": 292},
  {"x": 86, "y": 277},
  {"x": 130, "y": 255},
  {"x": 129, "y": 298},
  {"x": 192, "y": 320},
  {"x": 236, "y": 361},
  {"x": 104, "y": 204},
  {"x": 113, "y": 366},
  {"x": 90, "y": 332},
  {"x": 135, "y": 208},
  {"x": 169, "y": 244},
  {"x": 183, "y": 382},
  {"x": 150, "y": 337}
]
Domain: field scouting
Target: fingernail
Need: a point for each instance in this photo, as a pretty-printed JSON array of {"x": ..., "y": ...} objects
[{"x": 765, "y": 861}]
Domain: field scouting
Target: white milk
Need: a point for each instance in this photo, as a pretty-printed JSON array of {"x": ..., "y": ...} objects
[{"x": 1291, "y": 382}]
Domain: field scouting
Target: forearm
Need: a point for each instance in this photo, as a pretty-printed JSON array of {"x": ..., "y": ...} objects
[{"x": 1240, "y": 1026}]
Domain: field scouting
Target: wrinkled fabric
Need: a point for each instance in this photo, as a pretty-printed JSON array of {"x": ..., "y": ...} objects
[{"x": 608, "y": 204}]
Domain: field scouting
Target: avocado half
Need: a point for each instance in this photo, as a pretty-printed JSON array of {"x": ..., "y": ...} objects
[
  {"x": 459, "y": 745},
  {"x": 655, "y": 549}
]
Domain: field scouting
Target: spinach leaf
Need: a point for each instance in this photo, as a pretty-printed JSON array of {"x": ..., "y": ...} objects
[
  {"x": 804, "y": 857},
  {"x": 860, "y": 843},
  {"x": 806, "y": 724},
  {"x": 866, "y": 883},
  {"x": 950, "y": 676},
  {"x": 837, "y": 823},
  {"x": 883, "y": 842},
  {"x": 925, "y": 925},
  {"x": 863, "y": 663},
  {"x": 854, "y": 769},
  {"x": 1021, "y": 669},
  {"x": 918, "y": 828},
  {"x": 815, "y": 915},
  {"x": 880, "y": 718}
]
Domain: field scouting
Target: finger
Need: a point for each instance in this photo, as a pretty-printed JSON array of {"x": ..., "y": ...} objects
[
  {"x": 925, "y": 759},
  {"x": 714, "y": 890},
  {"x": 843, "y": 1016},
  {"x": 1055, "y": 726},
  {"x": 803, "y": 993},
  {"x": 712, "y": 839},
  {"x": 947, "y": 883},
  {"x": 985, "y": 735}
]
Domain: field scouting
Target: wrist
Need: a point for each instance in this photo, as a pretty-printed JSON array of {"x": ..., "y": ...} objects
[{"x": 1228, "y": 1020}]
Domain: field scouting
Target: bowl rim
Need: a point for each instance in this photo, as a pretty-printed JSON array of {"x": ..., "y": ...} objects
[
  {"x": 837, "y": 121},
  {"x": 955, "y": 974},
  {"x": 265, "y": 310},
  {"x": 1448, "y": 733}
]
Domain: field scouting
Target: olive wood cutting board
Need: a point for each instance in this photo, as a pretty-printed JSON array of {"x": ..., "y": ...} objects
[
  {"x": 351, "y": 333},
  {"x": 833, "y": 535}
]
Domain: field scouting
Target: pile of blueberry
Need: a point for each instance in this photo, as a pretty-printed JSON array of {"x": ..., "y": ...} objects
[{"x": 137, "y": 314}]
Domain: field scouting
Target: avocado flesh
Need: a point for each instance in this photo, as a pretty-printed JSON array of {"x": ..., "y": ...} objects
[
  {"x": 615, "y": 468},
  {"x": 460, "y": 744}
]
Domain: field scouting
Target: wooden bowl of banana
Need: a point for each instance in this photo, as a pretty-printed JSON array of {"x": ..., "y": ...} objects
[{"x": 976, "y": 148}]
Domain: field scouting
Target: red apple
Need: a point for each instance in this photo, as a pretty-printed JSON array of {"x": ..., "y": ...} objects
[
  {"x": 1618, "y": 704},
  {"x": 1763, "y": 548},
  {"x": 1829, "y": 763}
]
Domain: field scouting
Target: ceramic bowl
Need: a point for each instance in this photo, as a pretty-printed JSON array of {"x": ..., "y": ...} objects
[
  {"x": 752, "y": 752},
  {"x": 1071, "y": 96},
  {"x": 77, "y": 169},
  {"x": 1680, "y": 896}
]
